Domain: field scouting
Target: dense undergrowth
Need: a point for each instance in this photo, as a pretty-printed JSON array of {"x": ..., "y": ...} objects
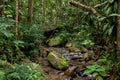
[
  {"x": 13, "y": 50},
  {"x": 78, "y": 27},
  {"x": 29, "y": 71}
]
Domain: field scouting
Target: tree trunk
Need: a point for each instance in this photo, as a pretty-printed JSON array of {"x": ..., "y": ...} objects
[
  {"x": 118, "y": 32},
  {"x": 30, "y": 11},
  {"x": 16, "y": 19},
  {"x": 1, "y": 9},
  {"x": 43, "y": 11},
  {"x": 20, "y": 8}
]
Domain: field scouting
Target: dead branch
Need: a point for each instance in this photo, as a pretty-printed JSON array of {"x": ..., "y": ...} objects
[{"x": 89, "y": 8}]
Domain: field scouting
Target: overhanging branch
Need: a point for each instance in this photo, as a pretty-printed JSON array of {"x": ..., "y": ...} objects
[{"x": 88, "y": 8}]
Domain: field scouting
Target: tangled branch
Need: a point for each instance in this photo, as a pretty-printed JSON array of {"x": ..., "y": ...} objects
[{"x": 88, "y": 8}]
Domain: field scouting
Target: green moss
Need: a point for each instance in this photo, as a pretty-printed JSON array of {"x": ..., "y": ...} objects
[
  {"x": 55, "y": 41},
  {"x": 57, "y": 60}
]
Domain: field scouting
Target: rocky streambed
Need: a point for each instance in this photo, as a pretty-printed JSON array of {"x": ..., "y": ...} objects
[{"x": 72, "y": 69}]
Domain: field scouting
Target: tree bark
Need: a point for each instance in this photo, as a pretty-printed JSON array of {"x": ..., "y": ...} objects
[
  {"x": 30, "y": 11},
  {"x": 43, "y": 11},
  {"x": 16, "y": 19},
  {"x": 118, "y": 32},
  {"x": 20, "y": 8}
]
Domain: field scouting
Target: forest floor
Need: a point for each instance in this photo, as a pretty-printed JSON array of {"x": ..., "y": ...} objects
[{"x": 77, "y": 64}]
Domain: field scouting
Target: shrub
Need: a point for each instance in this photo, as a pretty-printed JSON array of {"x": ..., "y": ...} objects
[
  {"x": 32, "y": 37},
  {"x": 96, "y": 70},
  {"x": 25, "y": 72},
  {"x": 2, "y": 75}
]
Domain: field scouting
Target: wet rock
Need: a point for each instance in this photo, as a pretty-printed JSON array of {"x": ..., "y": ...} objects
[
  {"x": 68, "y": 45},
  {"x": 84, "y": 50},
  {"x": 57, "y": 60},
  {"x": 74, "y": 55},
  {"x": 70, "y": 71},
  {"x": 72, "y": 47},
  {"x": 88, "y": 56},
  {"x": 78, "y": 78}
]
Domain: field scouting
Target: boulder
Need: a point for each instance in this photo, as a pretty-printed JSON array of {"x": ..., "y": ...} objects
[
  {"x": 57, "y": 61},
  {"x": 55, "y": 41},
  {"x": 89, "y": 55},
  {"x": 72, "y": 47}
]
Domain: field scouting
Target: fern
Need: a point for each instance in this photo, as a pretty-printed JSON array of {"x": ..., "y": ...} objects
[
  {"x": 2, "y": 75},
  {"x": 25, "y": 72}
]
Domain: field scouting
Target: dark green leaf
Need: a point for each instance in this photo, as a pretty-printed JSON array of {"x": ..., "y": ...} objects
[
  {"x": 102, "y": 73},
  {"x": 7, "y": 34},
  {"x": 110, "y": 30},
  {"x": 110, "y": 1},
  {"x": 95, "y": 74},
  {"x": 114, "y": 15},
  {"x": 88, "y": 71},
  {"x": 105, "y": 27},
  {"x": 91, "y": 67},
  {"x": 100, "y": 69},
  {"x": 102, "y": 18},
  {"x": 99, "y": 78}
]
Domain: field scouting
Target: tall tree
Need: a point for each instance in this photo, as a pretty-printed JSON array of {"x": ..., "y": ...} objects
[
  {"x": 118, "y": 32},
  {"x": 30, "y": 10},
  {"x": 43, "y": 11},
  {"x": 16, "y": 19},
  {"x": 20, "y": 9}
]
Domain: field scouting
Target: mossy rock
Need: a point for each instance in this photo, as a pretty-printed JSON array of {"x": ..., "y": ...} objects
[
  {"x": 55, "y": 41},
  {"x": 57, "y": 60}
]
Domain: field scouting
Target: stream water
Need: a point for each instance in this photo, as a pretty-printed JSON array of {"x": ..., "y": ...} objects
[{"x": 77, "y": 65}]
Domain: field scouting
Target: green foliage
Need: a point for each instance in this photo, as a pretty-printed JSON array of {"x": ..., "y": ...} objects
[
  {"x": 96, "y": 70},
  {"x": 9, "y": 45},
  {"x": 5, "y": 65},
  {"x": 78, "y": 26},
  {"x": 18, "y": 43},
  {"x": 29, "y": 39},
  {"x": 25, "y": 72},
  {"x": 99, "y": 71},
  {"x": 5, "y": 34},
  {"x": 60, "y": 38},
  {"x": 106, "y": 61},
  {"x": 87, "y": 42},
  {"x": 32, "y": 36},
  {"x": 82, "y": 38},
  {"x": 29, "y": 71},
  {"x": 111, "y": 64},
  {"x": 2, "y": 75},
  {"x": 107, "y": 11}
]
